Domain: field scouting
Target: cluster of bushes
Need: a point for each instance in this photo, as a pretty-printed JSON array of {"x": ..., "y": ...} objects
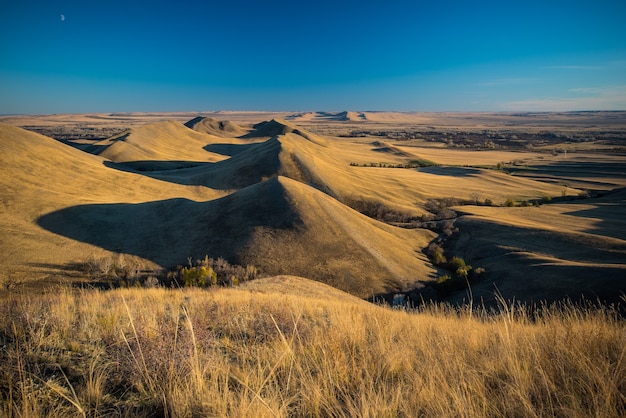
[
  {"x": 119, "y": 271},
  {"x": 380, "y": 212},
  {"x": 124, "y": 271},
  {"x": 511, "y": 203},
  {"x": 439, "y": 219},
  {"x": 440, "y": 208},
  {"x": 461, "y": 274},
  {"x": 211, "y": 272},
  {"x": 411, "y": 164}
]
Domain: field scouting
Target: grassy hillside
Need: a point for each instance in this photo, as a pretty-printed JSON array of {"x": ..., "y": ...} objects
[
  {"x": 159, "y": 141},
  {"x": 215, "y": 127},
  {"x": 38, "y": 176},
  {"x": 279, "y": 225},
  {"x": 571, "y": 249},
  {"x": 298, "y": 348}
]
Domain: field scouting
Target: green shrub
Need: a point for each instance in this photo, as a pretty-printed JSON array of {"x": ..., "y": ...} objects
[
  {"x": 421, "y": 162},
  {"x": 509, "y": 203},
  {"x": 211, "y": 272},
  {"x": 456, "y": 263},
  {"x": 199, "y": 276},
  {"x": 447, "y": 284}
]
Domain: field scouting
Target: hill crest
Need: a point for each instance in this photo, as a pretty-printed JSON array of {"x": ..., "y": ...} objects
[
  {"x": 160, "y": 141},
  {"x": 277, "y": 127},
  {"x": 215, "y": 127}
]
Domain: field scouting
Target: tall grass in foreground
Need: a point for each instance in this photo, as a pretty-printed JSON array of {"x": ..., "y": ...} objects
[{"x": 230, "y": 352}]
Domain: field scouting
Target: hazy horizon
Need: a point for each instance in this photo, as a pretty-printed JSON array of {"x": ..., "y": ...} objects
[{"x": 76, "y": 57}]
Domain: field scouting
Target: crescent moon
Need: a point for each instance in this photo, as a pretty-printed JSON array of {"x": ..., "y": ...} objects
[{"x": 62, "y": 18}]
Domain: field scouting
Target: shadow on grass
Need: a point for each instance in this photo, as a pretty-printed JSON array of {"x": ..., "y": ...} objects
[
  {"x": 251, "y": 165},
  {"x": 229, "y": 149},
  {"x": 609, "y": 212},
  {"x": 154, "y": 165},
  {"x": 450, "y": 171},
  {"x": 168, "y": 231},
  {"x": 573, "y": 169},
  {"x": 70, "y": 270},
  {"x": 532, "y": 265}
]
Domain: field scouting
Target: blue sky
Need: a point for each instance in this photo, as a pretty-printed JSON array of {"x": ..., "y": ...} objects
[{"x": 115, "y": 56}]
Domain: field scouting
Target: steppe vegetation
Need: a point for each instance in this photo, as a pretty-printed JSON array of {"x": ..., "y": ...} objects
[
  {"x": 254, "y": 352},
  {"x": 120, "y": 271},
  {"x": 448, "y": 217}
]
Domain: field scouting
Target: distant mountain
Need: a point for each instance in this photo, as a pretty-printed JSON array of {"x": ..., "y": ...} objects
[{"x": 346, "y": 116}]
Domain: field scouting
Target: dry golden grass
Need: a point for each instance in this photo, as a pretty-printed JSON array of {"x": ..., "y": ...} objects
[
  {"x": 269, "y": 352},
  {"x": 161, "y": 141}
]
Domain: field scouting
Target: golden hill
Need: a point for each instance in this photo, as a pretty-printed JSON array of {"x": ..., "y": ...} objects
[
  {"x": 215, "y": 127},
  {"x": 276, "y": 127},
  {"x": 160, "y": 141},
  {"x": 279, "y": 225},
  {"x": 291, "y": 155}
]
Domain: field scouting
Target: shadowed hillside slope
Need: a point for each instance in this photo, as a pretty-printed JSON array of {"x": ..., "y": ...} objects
[
  {"x": 548, "y": 252},
  {"x": 290, "y": 155}
]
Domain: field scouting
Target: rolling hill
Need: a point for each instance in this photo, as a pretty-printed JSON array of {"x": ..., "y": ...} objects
[
  {"x": 279, "y": 225},
  {"x": 53, "y": 217},
  {"x": 215, "y": 127},
  {"x": 279, "y": 197},
  {"x": 159, "y": 141},
  {"x": 39, "y": 175}
]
